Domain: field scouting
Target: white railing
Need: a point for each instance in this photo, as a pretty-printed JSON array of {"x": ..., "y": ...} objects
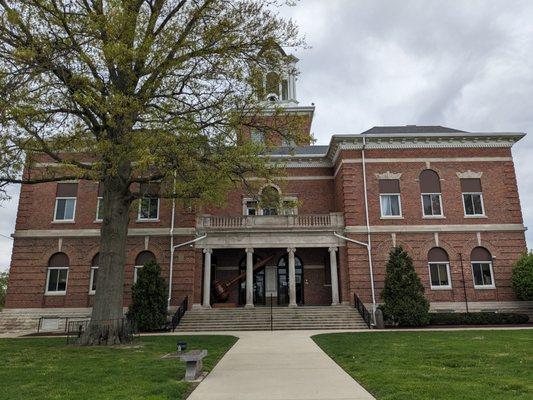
[{"x": 304, "y": 221}]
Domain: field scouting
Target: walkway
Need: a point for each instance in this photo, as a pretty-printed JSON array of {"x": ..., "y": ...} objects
[{"x": 279, "y": 365}]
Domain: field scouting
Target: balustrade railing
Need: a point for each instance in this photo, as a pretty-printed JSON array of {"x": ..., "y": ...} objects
[{"x": 309, "y": 221}]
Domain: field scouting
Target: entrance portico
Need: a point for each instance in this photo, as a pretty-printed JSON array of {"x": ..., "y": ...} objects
[
  {"x": 284, "y": 276},
  {"x": 299, "y": 254}
]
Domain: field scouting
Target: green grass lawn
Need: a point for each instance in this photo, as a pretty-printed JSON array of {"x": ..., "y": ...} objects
[
  {"x": 437, "y": 365},
  {"x": 44, "y": 368}
]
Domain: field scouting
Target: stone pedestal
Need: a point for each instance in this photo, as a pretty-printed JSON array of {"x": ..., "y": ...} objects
[{"x": 193, "y": 363}]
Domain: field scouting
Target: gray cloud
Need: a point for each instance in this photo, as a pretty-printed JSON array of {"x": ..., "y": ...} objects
[{"x": 468, "y": 65}]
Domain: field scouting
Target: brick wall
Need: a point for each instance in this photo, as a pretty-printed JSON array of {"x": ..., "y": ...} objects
[{"x": 319, "y": 195}]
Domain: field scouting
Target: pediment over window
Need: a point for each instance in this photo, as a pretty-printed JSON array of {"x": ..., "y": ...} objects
[
  {"x": 389, "y": 175},
  {"x": 469, "y": 175}
]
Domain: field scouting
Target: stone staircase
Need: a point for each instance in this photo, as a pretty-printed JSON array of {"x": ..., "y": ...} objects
[{"x": 283, "y": 318}]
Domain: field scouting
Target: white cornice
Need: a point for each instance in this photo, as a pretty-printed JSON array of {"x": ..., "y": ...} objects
[
  {"x": 65, "y": 233},
  {"x": 437, "y": 228},
  {"x": 421, "y": 141}
]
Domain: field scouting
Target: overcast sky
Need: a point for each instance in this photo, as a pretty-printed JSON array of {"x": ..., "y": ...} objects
[{"x": 462, "y": 64}]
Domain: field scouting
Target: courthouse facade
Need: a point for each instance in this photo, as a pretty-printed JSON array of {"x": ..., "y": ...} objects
[{"x": 448, "y": 196}]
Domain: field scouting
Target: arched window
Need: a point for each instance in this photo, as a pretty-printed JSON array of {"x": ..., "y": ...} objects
[
  {"x": 94, "y": 273},
  {"x": 431, "y": 193},
  {"x": 482, "y": 271},
  {"x": 143, "y": 258},
  {"x": 270, "y": 200},
  {"x": 272, "y": 86},
  {"x": 57, "y": 277},
  {"x": 439, "y": 269}
]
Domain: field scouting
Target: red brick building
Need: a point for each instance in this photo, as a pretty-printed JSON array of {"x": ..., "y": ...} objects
[{"x": 447, "y": 196}]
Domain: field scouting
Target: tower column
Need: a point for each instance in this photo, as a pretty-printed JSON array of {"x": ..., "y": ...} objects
[
  {"x": 334, "y": 276},
  {"x": 292, "y": 277},
  {"x": 207, "y": 278},
  {"x": 249, "y": 278}
]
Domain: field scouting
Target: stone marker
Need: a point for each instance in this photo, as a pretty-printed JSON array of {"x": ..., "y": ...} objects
[
  {"x": 380, "y": 324},
  {"x": 193, "y": 363}
]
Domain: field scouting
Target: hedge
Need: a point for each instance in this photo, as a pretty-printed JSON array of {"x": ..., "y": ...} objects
[{"x": 477, "y": 318}]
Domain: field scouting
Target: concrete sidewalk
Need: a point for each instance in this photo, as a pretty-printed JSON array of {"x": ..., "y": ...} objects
[{"x": 279, "y": 365}]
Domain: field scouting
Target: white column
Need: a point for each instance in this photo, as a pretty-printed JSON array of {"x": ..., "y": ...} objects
[
  {"x": 207, "y": 278},
  {"x": 334, "y": 276},
  {"x": 292, "y": 278},
  {"x": 249, "y": 278}
]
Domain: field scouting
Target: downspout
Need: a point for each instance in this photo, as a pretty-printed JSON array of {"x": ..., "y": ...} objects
[
  {"x": 369, "y": 240},
  {"x": 172, "y": 249},
  {"x": 171, "y": 265}
]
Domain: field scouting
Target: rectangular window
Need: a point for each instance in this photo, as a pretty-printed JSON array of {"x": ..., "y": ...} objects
[
  {"x": 432, "y": 204},
  {"x": 440, "y": 275},
  {"x": 94, "y": 277},
  {"x": 482, "y": 272},
  {"x": 100, "y": 209},
  {"x": 251, "y": 208},
  {"x": 65, "y": 209},
  {"x": 473, "y": 204},
  {"x": 149, "y": 209},
  {"x": 136, "y": 272},
  {"x": 57, "y": 281},
  {"x": 390, "y": 205}
]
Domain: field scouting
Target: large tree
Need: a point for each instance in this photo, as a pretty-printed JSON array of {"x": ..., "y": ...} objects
[{"x": 127, "y": 92}]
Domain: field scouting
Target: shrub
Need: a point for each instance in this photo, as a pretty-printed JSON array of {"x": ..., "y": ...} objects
[
  {"x": 148, "y": 309},
  {"x": 477, "y": 318},
  {"x": 523, "y": 277},
  {"x": 404, "y": 302},
  {"x": 3, "y": 288}
]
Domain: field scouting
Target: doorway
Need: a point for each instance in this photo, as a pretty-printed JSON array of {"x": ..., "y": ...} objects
[
  {"x": 259, "y": 283},
  {"x": 283, "y": 280}
]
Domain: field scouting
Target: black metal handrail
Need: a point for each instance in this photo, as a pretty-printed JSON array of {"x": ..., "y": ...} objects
[
  {"x": 365, "y": 314},
  {"x": 180, "y": 312}
]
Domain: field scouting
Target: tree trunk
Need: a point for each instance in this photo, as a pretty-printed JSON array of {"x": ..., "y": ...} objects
[{"x": 107, "y": 325}]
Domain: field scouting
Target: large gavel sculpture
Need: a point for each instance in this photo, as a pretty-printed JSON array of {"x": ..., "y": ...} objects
[{"x": 221, "y": 290}]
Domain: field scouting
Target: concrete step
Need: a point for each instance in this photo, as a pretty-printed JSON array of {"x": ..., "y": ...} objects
[{"x": 284, "y": 318}]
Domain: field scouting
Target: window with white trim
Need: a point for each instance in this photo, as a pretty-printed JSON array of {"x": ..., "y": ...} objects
[
  {"x": 148, "y": 209},
  {"x": 100, "y": 209},
  {"x": 57, "y": 274},
  {"x": 439, "y": 269},
  {"x": 143, "y": 258},
  {"x": 389, "y": 198},
  {"x": 251, "y": 208},
  {"x": 390, "y": 205},
  {"x": 94, "y": 273},
  {"x": 430, "y": 193},
  {"x": 482, "y": 269},
  {"x": 100, "y": 204},
  {"x": 472, "y": 197},
  {"x": 473, "y": 204},
  {"x": 65, "y": 207}
]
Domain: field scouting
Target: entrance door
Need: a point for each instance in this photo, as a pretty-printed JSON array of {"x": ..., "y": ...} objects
[
  {"x": 283, "y": 280},
  {"x": 259, "y": 283}
]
